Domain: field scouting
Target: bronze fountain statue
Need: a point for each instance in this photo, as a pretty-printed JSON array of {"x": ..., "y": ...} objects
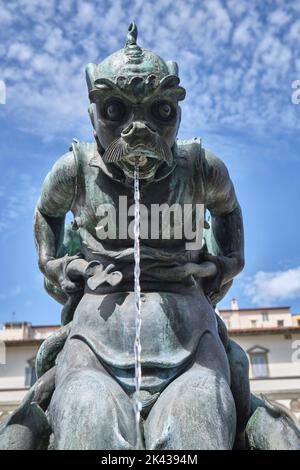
[{"x": 194, "y": 388}]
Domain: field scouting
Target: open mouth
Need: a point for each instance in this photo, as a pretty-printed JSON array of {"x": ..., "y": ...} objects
[
  {"x": 147, "y": 165},
  {"x": 139, "y": 160},
  {"x": 146, "y": 158},
  {"x": 140, "y": 156}
]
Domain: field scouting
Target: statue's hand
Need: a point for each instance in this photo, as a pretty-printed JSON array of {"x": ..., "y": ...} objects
[
  {"x": 76, "y": 269},
  {"x": 80, "y": 270},
  {"x": 96, "y": 275},
  {"x": 205, "y": 269},
  {"x": 60, "y": 272}
]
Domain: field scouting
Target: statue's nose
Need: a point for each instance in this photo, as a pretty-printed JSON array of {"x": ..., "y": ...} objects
[{"x": 137, "y": 132}]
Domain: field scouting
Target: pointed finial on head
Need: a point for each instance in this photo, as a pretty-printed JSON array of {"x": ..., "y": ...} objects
[
  {"x": 133, "y": 52},
  {"x": 132, "y": 35}
]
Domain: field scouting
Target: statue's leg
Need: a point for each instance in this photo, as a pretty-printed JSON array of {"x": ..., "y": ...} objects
[
  {"x": 89, "y": 409},
  {"x": 240, "y": 387},
  {"x": 196, "y": 411}
]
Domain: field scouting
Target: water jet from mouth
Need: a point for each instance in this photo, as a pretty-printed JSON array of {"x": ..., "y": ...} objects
[{"x": 137, "y": 303}]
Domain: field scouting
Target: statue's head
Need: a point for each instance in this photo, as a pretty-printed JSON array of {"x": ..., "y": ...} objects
[{"x": 134, "y": 107}]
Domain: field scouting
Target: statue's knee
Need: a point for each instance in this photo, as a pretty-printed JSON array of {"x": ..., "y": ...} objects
[
  {"x": 204, "y": 396},
  {"x": 205, "y": 380},
  {"x": 202, "y": 391},
  {"x": 84, "y": 389},
  {"x": 92, "y": 402},
  {"x": 197, "y": 411}
]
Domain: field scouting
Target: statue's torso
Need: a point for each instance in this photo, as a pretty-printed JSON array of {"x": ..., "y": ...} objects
[
  {"x": 179, "y": 190},
  {"x": 175, "y": 314}
]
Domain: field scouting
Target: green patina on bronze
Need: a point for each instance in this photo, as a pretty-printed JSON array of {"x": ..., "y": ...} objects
[{"x": 195, "y": 387}]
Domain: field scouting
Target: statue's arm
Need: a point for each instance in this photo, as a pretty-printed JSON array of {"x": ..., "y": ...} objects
[
  {"x": 56, "y": 199},
  {"x": 225, "y": 239}
]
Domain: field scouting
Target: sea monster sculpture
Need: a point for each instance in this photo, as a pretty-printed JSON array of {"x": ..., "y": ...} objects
[{"x": 194, "y": 383}]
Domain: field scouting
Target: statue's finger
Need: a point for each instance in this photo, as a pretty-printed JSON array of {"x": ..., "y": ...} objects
[
  {"x": 109, "y": 268},
  {"x": 91, "y": 267}
]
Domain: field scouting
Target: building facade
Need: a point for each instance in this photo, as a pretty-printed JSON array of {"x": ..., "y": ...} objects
[
  {"x": 271, "y": 339},
  {"x": 19, "y": 343},
  {"x": 269, "y": 336}
]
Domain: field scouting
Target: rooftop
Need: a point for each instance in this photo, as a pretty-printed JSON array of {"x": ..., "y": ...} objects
[
  {"x": 17, "y": 333},
  {"x": 256, "y": 309}
]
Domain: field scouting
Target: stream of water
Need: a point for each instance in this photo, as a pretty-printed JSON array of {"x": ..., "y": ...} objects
[{"x": 138, "y": 317}]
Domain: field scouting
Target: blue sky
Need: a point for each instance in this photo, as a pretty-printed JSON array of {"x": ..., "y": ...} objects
[{"x": 237, "y": 64}]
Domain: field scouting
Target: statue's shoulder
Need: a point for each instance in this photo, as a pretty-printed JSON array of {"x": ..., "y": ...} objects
[
  {"x": 193, "y": 150},
  {"x": 214, "y": 169},
  {"x": 201, "y": 161},
  {"x": 83, "y": 154},
  {"x": 82, "y": 151},
  {"x": 63, "y": 168},
  {"x": 190, "y": 154},
  {"x": 189, "y": 149},
  {"x": 211, "y": 158}
]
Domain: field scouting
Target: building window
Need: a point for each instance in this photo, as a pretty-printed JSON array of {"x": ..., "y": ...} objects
[
  {"x": 30, "y": 373},
  {"x": 253, "y": 323},
  {"x": 259, "y": 365},
  {"x": 265, "y": 316},
  {"x": 280, "y": 323},
  {"x": 298, "y": 321},
  {"x": 259, "y": 362}
]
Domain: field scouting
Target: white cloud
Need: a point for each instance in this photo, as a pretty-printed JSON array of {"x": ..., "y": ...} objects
[
  {"x": 5, "y": 17},
  {"x": 267, "y": 288},
  {"x": 86, "y": 13},
  {"x": 279, "y": 18},
  {"x": 20, "y": 52},
  {"x": 236, "y": 63},
  {"x": 244, "y": 32}
]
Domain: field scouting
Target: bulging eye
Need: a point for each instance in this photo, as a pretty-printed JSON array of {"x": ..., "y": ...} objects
[
  {"x": 163, "y": 110},
  {"x": 115, "y": 110}
]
